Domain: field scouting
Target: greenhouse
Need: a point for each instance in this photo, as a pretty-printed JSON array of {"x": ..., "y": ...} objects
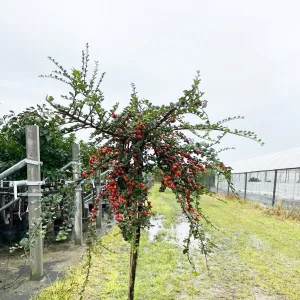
[{"x": 269, "y": 178}]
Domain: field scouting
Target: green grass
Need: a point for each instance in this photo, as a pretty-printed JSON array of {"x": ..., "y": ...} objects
[{"x": 258, "y": 256}]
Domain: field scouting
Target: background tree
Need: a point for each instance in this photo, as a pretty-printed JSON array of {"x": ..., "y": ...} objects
[
  {"x": 138, "y": 140},
  {"x": 55, "y": 144}
]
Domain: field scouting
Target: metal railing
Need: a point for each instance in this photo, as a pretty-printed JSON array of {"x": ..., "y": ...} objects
[{"x": 267, "y": 187}]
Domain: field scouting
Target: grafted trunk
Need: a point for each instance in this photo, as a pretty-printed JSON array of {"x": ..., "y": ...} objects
[{"x": 133, "y": 262}]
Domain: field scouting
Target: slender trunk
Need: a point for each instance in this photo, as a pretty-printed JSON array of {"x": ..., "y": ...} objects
[{"x": 133, "y": 262}]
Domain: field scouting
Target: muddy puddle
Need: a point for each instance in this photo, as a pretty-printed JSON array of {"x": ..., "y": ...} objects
[{"x": 176, "y": 234}]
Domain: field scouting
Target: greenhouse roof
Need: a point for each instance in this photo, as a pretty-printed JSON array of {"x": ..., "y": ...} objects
[{"x": 287, "y": 159}]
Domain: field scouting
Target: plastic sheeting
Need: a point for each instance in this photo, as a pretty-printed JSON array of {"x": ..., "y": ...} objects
[{"x": 287, "y": 159}]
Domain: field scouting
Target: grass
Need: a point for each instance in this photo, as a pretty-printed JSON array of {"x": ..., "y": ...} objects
[
  {"x": 258, "y": 256},
  {"x": 291, "y": 212},
  {"x": 278, "y": 210}
]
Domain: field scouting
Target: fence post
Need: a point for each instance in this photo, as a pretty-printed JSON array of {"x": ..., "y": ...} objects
[
  {"x": 274, "y": 188},
  {"x": 77, "y": 195},
  {"x": 246, "y": 179},
  {"x": 266, "y": 176},
  {"x": 98, "y": 186},
  {"x": 34, "y": 201},
  {"x": 218, "y": 184}
]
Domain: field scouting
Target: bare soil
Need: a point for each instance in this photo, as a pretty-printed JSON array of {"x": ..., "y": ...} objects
[{"x": 14, "y": 271}]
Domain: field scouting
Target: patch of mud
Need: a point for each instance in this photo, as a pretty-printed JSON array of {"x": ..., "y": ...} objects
[{"x": 14, "y": 272}]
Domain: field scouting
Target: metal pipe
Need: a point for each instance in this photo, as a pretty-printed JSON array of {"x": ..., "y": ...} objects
[
  {"x": 283, "y": 169},
  {"x": 17, "y": 183},
  {"x": 9, "y": 204},
  {"x": 105, "y": 172},
  {"x": 24, "y": 183},
  {"x": 13, "y": 169},
  {"x": 88, "y": 196},
  {"x": 63, "y": 168},
  {"x": 89, "y": 199},
  {"x": 67, "y": 165}
]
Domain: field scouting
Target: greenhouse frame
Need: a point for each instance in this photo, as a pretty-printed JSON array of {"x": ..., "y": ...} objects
[{"x": 268, "y": 179}]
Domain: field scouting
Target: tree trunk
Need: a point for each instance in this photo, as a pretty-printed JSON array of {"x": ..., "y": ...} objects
[{"x": 133, "y": 262}]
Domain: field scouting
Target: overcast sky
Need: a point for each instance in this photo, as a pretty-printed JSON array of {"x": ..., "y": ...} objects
[{"x": 248, "y": 53}]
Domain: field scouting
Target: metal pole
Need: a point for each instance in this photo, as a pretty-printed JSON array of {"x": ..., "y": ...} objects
[
  {"x": 4, "y": 207},
  {"x": 245, "y": 192},
  {"x": 218, "y": 183},
  {"x": 77, "y": 195},
  {"x": 13, "y": 169},
  {"x": 98, "y": 187},
  {"x": 34, "y": 201},
  {"x": 274, "y": 188}
]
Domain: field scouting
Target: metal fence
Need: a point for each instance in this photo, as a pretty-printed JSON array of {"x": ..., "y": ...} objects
[{"x": 267, "y": 187}]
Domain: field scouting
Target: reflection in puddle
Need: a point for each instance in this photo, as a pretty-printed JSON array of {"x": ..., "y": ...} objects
[
  {"x": 177, "y": 233},
  {"x": 156, "y": 226},
  {"x": 180, "y": 232}
]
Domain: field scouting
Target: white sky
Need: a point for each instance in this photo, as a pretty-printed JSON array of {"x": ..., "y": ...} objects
[{"x": 247, "y": 52}]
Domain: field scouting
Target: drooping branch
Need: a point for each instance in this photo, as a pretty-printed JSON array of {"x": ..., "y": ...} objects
[{"x": 141, "y": 137}]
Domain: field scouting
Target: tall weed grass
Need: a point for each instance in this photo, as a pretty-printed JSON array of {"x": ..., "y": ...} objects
[{"x": 292, "y": 212}]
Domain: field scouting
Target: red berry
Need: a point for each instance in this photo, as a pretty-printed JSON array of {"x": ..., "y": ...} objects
[{"x": 119, "y": 218}]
